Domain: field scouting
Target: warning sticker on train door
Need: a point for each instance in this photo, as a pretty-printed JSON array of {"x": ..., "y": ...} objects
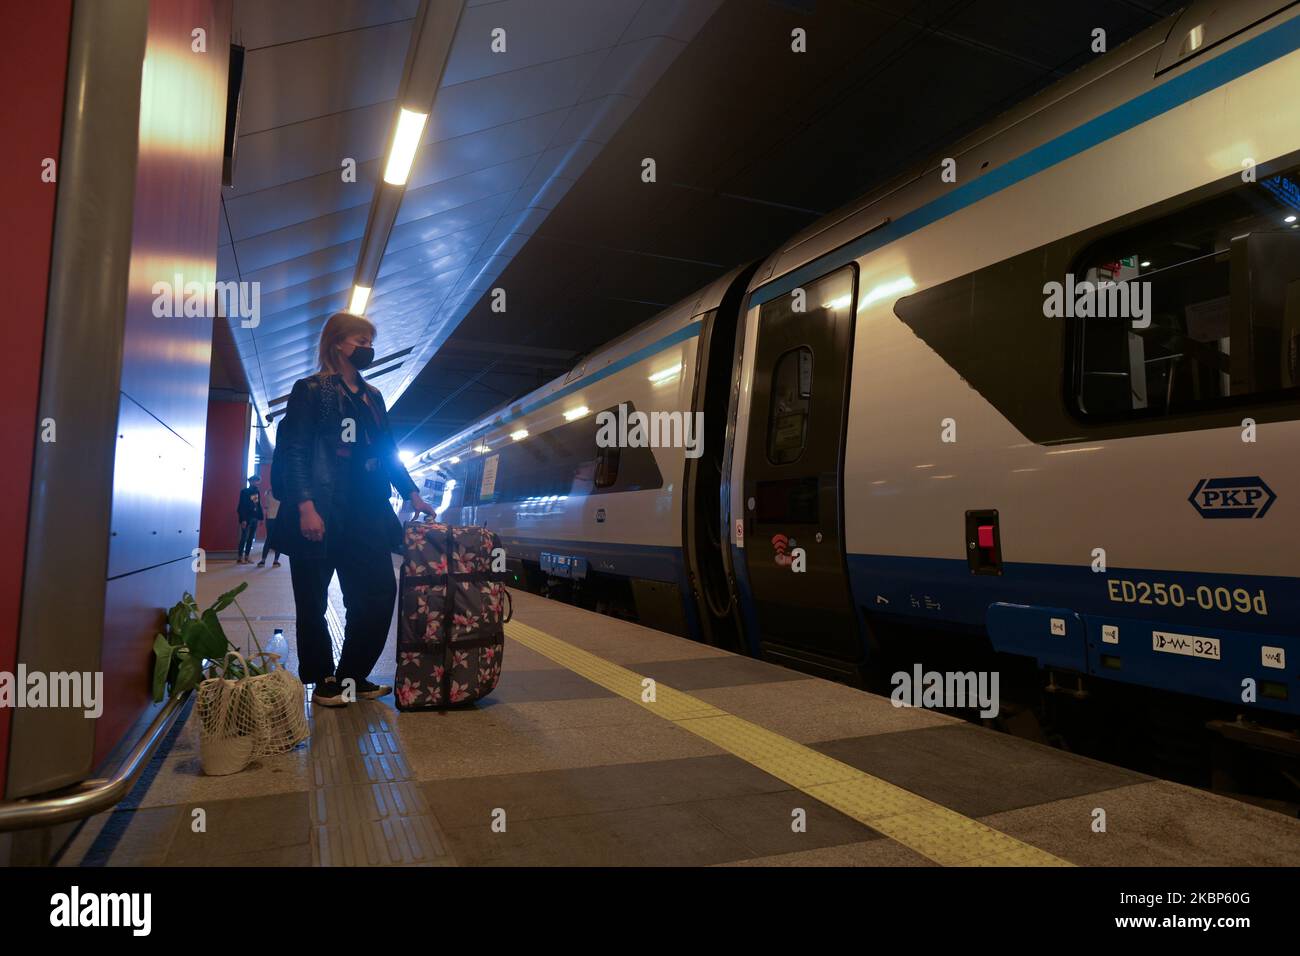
[
  {"x": 1186, "y": 644},
  {"x": 489, "y": 484}
]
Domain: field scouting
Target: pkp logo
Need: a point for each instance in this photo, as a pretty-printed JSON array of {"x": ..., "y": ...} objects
[{"x": 1232, "y": 497}]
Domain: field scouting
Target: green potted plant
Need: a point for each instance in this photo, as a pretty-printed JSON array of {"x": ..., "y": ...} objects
[{"x": 190, "y": 637}]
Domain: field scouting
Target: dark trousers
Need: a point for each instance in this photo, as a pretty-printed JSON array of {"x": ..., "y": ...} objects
[
  {"x": 246, "y": 536},
  {"x": 270, "y": 526},
  {"x": 369, "y": 589}
]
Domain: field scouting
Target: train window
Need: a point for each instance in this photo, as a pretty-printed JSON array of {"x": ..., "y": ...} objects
[
  {"x": 1199, "y": 309},
  {"x": 555, "y": 464},
  {"x": 548, "y": 464},
  {"x": 607, "y": 466},
  {"x": 791, "y": 403}
]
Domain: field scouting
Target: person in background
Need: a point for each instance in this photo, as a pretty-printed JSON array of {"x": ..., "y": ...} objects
[
  {"x": 250, "y": 516},
  {"x": 335, "y": 463},
  {"x": 270, "y": 508}
]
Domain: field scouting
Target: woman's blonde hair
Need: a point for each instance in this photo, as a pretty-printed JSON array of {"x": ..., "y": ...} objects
[{"x": 339, "y": 327}]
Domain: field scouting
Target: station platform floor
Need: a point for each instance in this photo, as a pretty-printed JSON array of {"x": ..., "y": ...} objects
[{"x": 734, "y": 762}]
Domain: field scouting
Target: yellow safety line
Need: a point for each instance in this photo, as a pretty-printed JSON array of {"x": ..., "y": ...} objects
[{"x": 930, "y": 829}]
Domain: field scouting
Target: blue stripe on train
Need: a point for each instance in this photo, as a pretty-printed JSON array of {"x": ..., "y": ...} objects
[
  {"x": 648, "y": 561},
  {"x": 1018, "y": 609},
  {"x": 1057, "y": 613},
  {"x": 1224, "y": 68},
  {"x": 685, "y": 333}
]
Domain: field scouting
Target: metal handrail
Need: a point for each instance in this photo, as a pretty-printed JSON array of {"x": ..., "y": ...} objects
[{"x": 91, "y": 796}]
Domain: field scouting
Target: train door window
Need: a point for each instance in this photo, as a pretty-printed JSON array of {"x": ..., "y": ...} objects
[
  {"x": 791, "y": 406},
  {"x": 1197, "y": 310}
]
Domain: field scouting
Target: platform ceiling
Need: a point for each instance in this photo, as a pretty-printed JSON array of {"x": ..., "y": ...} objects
[{"x": 510, "y": 133}]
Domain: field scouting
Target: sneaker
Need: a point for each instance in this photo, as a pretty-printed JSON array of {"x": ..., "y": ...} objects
[
  {"x": 328, "y": 693},
  {"x": 276, "y": 565},
  {"x": 261, "y": 564},
  {"x": 369, "y": 691}
]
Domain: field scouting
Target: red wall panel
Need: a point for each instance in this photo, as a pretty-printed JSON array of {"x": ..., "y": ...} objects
[
  {"x": 33, "y": 70},
  {"x": 224, "y": 459}
]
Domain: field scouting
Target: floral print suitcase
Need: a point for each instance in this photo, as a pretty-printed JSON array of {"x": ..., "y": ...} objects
[{"x": 452, "y": 612}]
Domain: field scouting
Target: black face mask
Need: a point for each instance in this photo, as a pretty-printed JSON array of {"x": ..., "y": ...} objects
[{"x": 361, "y": 357}]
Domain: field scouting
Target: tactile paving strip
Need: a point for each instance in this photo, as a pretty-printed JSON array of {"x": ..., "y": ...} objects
[
  {"x": 921, "y": 825},
  {"x": 366, "y": 808}
]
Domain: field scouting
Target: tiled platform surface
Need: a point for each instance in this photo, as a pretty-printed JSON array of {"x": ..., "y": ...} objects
[{"x": 554, "y": 769}]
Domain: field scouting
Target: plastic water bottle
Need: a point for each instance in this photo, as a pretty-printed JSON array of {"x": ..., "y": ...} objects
[{"x": 278, "y": 645}]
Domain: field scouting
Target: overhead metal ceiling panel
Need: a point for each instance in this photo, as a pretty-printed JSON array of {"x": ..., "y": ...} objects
[
  {"x": 303, "y": 91},
  {"x": 509, "y": 135},
  {"x": 260, "y": 24}
]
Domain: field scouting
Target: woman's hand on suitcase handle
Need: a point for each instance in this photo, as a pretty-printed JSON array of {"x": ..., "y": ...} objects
[
  {"x": 310, "y": 521},
  {"x": 418, "y": 505}
]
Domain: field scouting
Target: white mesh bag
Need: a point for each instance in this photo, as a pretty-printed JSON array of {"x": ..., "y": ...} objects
[
  {"x": 230, "y": 719},
  {"x": 282, "y": 702},
  {"x": 249, "y": 717}
]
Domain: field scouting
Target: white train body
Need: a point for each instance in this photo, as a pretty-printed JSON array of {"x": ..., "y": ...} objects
[
  {"x": 1117, "y": 501},
  {"x": 632, "y": 529}
]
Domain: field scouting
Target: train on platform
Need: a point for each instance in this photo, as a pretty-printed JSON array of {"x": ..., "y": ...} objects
[{"x": 897, "y": 438}]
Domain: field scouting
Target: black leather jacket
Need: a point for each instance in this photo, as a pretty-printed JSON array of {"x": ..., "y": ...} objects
[
  {"x": 308, "y": 465},
  {"x": 249, "y": 509}
]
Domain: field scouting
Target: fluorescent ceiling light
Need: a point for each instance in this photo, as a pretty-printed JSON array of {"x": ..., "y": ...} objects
[
  {"x": 573, "y": 414},
  {"x": 409, "y": 128},
  {"x": 519, "y": 435},
  {"x": 482, "y": 449},
  {"x": 360, "y": 296},
  {"x": 406, "y": 456},
  {"x": 666, "y": 374},
  {"x": 454, "y": 459}
]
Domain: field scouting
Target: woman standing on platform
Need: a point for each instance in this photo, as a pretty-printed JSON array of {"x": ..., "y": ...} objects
[{"x": 335, "y": 461}]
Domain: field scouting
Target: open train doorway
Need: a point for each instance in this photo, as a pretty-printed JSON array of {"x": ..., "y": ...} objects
[{"x": 703, "y": 530}]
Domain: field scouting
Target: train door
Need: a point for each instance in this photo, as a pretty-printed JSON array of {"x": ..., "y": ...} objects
[{"x": 793, "y": 474}]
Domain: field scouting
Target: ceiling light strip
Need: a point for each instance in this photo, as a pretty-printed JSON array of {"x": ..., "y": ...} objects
[{"x": 426, "y": 62}]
